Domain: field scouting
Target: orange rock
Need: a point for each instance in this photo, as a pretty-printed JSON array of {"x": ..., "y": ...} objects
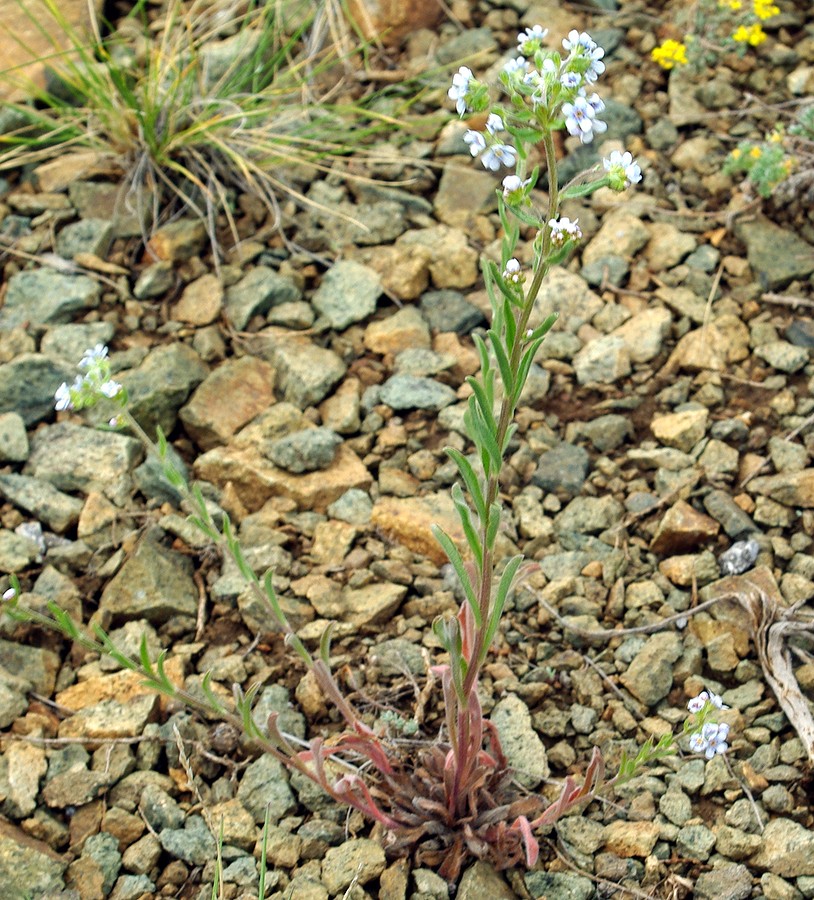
[
  {"x": 392, "y": 20},
  {"x": 631, "y": 838},
  {"x": 408, "y": 521},
  {"x": 683, "y": 528}
]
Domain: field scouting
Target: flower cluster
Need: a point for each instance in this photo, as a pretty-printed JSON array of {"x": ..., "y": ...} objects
[
  {"x": 622, "y": 169},
  {"x": 94, "y": 384},
  {"x": 709, "y": 738},
  {"x": 563, "y": 229},
  {"x": 670, "y": 53},
  {"x": 495, "y": 154},
  {"x": 753, "y": 35}
]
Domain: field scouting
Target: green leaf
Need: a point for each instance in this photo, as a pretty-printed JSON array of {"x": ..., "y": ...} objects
[
  {"x": 460, "y": 570},
  {"x": 511, "y": 323},
  {"x": 483, "y": 400},
  {"x": 503, "y": 362},
  {"x": 581, "y": 190},
  {"x": 526, "y": 216},
  {"x": 470, "y": 480},
  {"x": 542, "y": 330},
  {"x": 486, "y": 435},
  {"x": 501, "y": 594},
  {"x": 493, "y": 524},
  {"x": 465, "y": 515},
  {"x": 298, "y": 647},
  {"x": 483, "y": 352},
  {"x": 325, "y": 644}
]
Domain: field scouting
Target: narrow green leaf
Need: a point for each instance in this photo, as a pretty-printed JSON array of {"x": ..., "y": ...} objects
[
  {"x": 483, "y": 401},
  {"x": 299, "y": 648},
  {"x": 581, "y": 190},
  {"x": 511, "y": 324},
  {"x": 325, "y": 644},
  {"x": 465, "y": 515},
  {"x": 502, "y": 362},
  {"x": 501, "y": 594},
  {"x": 470, "y": 480},
  {"x": 494, "y": 523},
  {"x": 542, "y": 330},
  {"x": 460, "y": 570}
]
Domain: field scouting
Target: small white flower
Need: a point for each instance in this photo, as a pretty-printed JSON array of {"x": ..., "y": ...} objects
[
  {"x": 110, "y": 388},
  {"x": 499, "y": 155},
  {"x": 63, "y": 398},
  {"x": 476, "y": 141},
  {"x": 570, "y": 80},
  {"x": 697, "y": 742},
  {"x": 512, "y": 271},
  {"x": 697, "y": 703},
  {"x": 577, "y": 40},
  {"x": 596, "y": 67},
  {"x": 461, "y": 83},
  {"x": 494, "y": 124},
  {"x": 9, "y": 595},
  {"x": 581, "y": 121},
  {"x": 516, "y": 65},
  {"x": 93, "y": 356},
  {"x": 513, "y": 184},
  {"x": 564, "y": 229},
  {"x": 716, "y": 741},
  {"x": 534, "y": 35}
]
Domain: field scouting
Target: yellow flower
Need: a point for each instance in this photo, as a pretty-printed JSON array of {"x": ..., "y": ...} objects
[
  {"x": 775, "y": 137},
  {"x": 732, "y": 4},
  {"x": 753, "y": 35},
  {"x": 736, "y": 154},
  {"x": 670, "y": 53},
  {"x": 765, "y": 9},
  {"x": 755, "y": 153}
]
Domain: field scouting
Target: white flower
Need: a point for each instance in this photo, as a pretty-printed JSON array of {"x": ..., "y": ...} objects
[
  {"x": 697, "y": 703},
  {"x": 9, "y": 595},
  {"x": 499, "y": 155},
  {"x": 623, "y": 169},
  {"x": 534, "y": 35},
  {"x": 577, "y": 40},
  {"x": 93, "y": 356},
  {"x": 518, "y": 64},
  {"x": 580, "y": 118},
  {"x": 512, "y": 271},
  {"x": 513, "y": 184},
  {"x": 461, "y": 83},
  {"x": 63, "y": 398},
  {"x": 564, "y": 229},
  {"x": 570, "y": 80},
  {"x": 476, "y": 141},
  {"x": 110, "y": 388},
  {"x": 596, "y": 67},
  {"x": 716, "y": 741},
  {"x": 494, "y": 124}
]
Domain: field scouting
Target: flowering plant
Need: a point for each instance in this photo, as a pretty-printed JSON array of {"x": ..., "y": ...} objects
[
  {"x": 453, "y": 798},
  {"x": 717, "y": 25}
]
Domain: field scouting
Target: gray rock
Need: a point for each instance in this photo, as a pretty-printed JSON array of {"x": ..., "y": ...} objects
[
  {"x": 739, "y": 558},
  {"x": 275, "y": 699},
  {"x": 193, "y": 843},
  {"x": 565, "y": 468},
  {"x": 74, "y": 458},
  {"x": 422, "y": 362},
  {"x": 154, "y": 281},
  {"x": 776, "y": 254},
  {"x": 103, "y": 848},
  {"x": 47, "y": 297},
  {"x": 85, "y": 236},
  {"x": 41, "y": 499},
  {"x": 468, "y": 42},
  {"x": 734, "y": 843},
  {"x": 411, "y": 392},
  {"x": 28, "y": 383},
  {"x": 398, "y": 656},
  {"x": 160, "y": 386},
  {"x": 606, "y": 432},
  {"x": 354, "y": 507},
  {"x": 358, "y": 860},
  {"x": 589, "y": 515},
  {"x": 21, "y": 768},
  {"x": 305, "y": 372},
  {"x": 16, "y": 551},
  {"x": 265, "y": 784},
  {"x": 662, "y": 134},
  {"x": 27, "y": 870},
  {"x": 151, "y": 479},
  {"x": 256, "y": 293},
  {"x": 481, "y": 880},
  {"x": 132, "y": 887},
  {"x": 695, "y": 842},
  {"x": 447, "y": 310},
  {"x": 304, "y": 451},
  {"x": 603, "y": 361},
  {"x": 562, "y": 885},
  {"x": 724, "y": 882},
  {"x": 159, "y": 809},
  {"x": 650, "y": 675},
  {"x": 734, "y": 521},
  {"x": 13, "y": 699},
  {"x": 783, "y": 356},
  {"x": 348, "y": 293},
  {"x": 521, "y": 743},
  {"x": 154, "y": 584},
  {"x": 13, "y": 438},
  {"x": 622, "y": 120},
  {"x": 675, "y": 806},
  {"x": 612, "y": 269},
  {"x": 788, "y": 849},
  {"x": 69, "y": 342}
]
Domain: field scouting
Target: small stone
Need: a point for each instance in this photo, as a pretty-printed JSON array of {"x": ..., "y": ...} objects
[
  {"x": 47, "y": 297},
  {"x": 193, "y": 843},
  {"x": 562, "y": 885},
  {"x": 358, "y": 860},
  {"x": 788, "y": 488},
  {"x": 29, "y": 867},
  {"x": 776, "y": 888},
  {"x": 606, "y": 432},
  {"x": 354, "y": 507},
  {"x": 449, "y": 311},
  {"x": 304, "y": 451},
  {"x": 650, "y": 676},
  {"x": 589, "y": 515},
  {"x": 41, "y": 499},
  {"x": 695, "y": 842},
  {"x": 177, "y": 241},
  {"x": 675, "y": 806},
  {"x": 713, "y": 347},
  {"x": 735, "y": 843},
  {"x": 305, "y": 372},
  {"x": 783, "y": 356},
  {"x": 265, "y": 784},
  {"x": 481, "y": 880},
  {"x": 739, "y": 558},
  {"x": 132, "y": 887},
  {"x": 154, "y": 281},
  {"x": 682, "y": 430},
  {"x": 724, "y": 882},
  {"x": 735, "y": 522},
  {"x": 406, "y": 329},
  {"x": 628, "y": 839},
  {"x": 603, "y": 361},
  {"x": 412, "y": 392},
  {"x": 788, "y": 849},
  {"x": 683, "y": 528},
  {"x": 348, "y": 293},
  {"x": 644, "y": 334},
  {"x": 777, "y": 255},
  {"x": 110, "y": 720},
  {"x": 85, "y": 236},
  {"x": 20, "y": 773},
  {"x": 565, "y": 468},
  {"x": 69, "y": 342},
  {"x": 686, "y": 569},
  {"x": 521, "y": 743},
  {"x": 13, "y": 438},
  {"x": 235, "y": 824},
  {"x": 17, "y": 553},
  {"x": 256, "y": 293},
  {"x": 667, "y": 246},
  {"x": 27, "y": 385},
  {"x": 201, "y": 301},
  {"x": 409, "y": 521},
  {"x": 621, "y": 234}
]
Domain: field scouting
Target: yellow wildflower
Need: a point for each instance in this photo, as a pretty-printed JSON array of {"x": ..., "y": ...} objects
[
  {"x": 775, "y": 137},
  {"x": 753, "y": 35},
  {"x": 732, "y": 4},
  {"x": 736, "y": 154},
  {"x": 755, "y": 153},
  {"x": 765, "y": 9},
  {"x": 670, "y": 53}
]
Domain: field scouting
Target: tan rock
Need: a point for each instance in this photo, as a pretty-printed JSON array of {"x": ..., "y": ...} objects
[
  {"x": 340, "y": 411},
  {"x": 58, "y": 174},
  {"x": 643, "y": 334},
  {"x": 714, "y": 346},
  {"x": 467, "y": 361},
  {"x": 685, "y": 570},
  {"x": 235, "y": 824},
  {"x": 97, "y": 513},
  {"x": 392, "y": 20},
  {"x": 32, "y": 35},
  {"x": 405, "y": 271},
  {"x": 404, "y": 330},
  {"x": 408, "y": 521},
  {"x": 631, "y": 838},
  {"x": 683, "y": 528},
  {"x": 621, "y": 234},
  {"x": 332, "y": 541},
  {"x": 201, "y": 302},
  {"x": 707, "y": 630},
  {"x": 788, "y": 488},
  {"x": 682, "y": 430},
  {"x": 122, "y": 687},
  {"x": 667, "y": 246},
  {"x": 453, "y": 263},
  {"x": 227, "y": 399},
  {"x": 110, "y": 719}
]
